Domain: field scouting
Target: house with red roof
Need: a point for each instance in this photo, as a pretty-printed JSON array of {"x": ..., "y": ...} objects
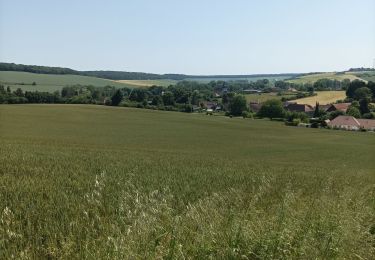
[{"x": 352, "y": 123}]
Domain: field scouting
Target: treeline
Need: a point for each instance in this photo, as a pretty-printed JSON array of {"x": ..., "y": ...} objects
[
  {"x": 114, "y": 75},
  {"x": 123, "y": 75}
]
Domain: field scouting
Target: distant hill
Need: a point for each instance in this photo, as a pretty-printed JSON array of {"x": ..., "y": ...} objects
[
  {"x": 51, "y": 82},
  {"x": 313, "y": 77},
  {"x": 124, "y": 75}
]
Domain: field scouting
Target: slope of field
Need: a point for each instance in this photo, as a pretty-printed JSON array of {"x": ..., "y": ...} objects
[
  {"x": 265, "y": 96},
  {"x": 365, "y": 75},
  {"x": 247, "y": 78},
  {"x": 329, "y": 75},
  {"x": 50, "y": 82},
  {"x": 95, "y": 182},
  {"x": 323, "y": 97},
  {"x": 148, "y": 83}
]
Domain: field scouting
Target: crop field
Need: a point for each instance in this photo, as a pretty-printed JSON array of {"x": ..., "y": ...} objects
[
  {"x": 265, "y": 96},
  {"x": 81, "y": 181},
  {"x": 247, "y": 78},
  {"x": 49, "y": 82},
  {"x": 323, "y": 97},
  {"x": 365, "y": 75},
  {"x": 329, "y": 75},
  {"x": 148, "y": 83}
]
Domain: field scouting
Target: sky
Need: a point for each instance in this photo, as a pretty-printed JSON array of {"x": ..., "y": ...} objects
[{"x": 201, "y": 37}]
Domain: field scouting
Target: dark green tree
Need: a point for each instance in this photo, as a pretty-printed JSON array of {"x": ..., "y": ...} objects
[
  {"x": 353, "y": 111},
  {"x": 117, "y": 98},
  {"x": 237, "y": 105},
  {"x": 272, "y": 108}
]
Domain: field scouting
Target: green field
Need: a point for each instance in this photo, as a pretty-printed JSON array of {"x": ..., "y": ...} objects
[
  {"x": 365, "y": 75},
  {"x": 265, "y": 96},
  {"x": 148, "y": 83},
  {"x": 97, "y": 182},
  {"x": 247, "y": 78},
  {"x": 329, "y": 75},
  {"x": 49, "y": 82},
  {"x": 323, "y": 97}
]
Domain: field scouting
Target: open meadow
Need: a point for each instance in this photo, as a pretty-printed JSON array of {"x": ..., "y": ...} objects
[
  {"x": 311, "y": 78},
  {"x": 82, "y": 181},
  {"x": 148, "y": 83},
  {"x": 261, "y": 97},
  {"x": 50, "y": 82},
  {"x": 323, "y": 97}
]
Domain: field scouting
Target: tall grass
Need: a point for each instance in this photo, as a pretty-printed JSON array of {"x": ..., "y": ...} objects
[{"x": 79, "y": 183}]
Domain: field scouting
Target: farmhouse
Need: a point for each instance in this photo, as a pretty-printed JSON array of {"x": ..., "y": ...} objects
[
  {"x": 337, "y": 107},
  {"x": 209, "y": 105},
  {"x": 351, "y": 123},
  {"x": 294, "y": 107},
  {"x": 255, "y": 106}
]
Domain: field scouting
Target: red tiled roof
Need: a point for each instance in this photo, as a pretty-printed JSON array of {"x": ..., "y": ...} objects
[
  {"x": 351, "y": 122},
  {"x": 339, "y": 106},
  {"x": 299, "y": 108},
  {"x": 367, "y": 123},
  {"x": 344, "y": 121}
]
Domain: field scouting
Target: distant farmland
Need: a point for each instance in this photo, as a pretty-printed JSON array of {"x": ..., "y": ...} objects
[
  {"x": 265, "y": 96},
  {"x": 148, "y": 83},
  {"x": 50, "y": 82},
  {"x": 323, "y": 97},
  {"x": 247, "y": 78},
  {"x": 311, "y": 78}
]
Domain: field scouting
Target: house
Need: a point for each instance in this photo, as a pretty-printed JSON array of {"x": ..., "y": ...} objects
[
  {"x": 351, "y": 123},
  {"x": 255, "y": 106},
  {"x": 294, "y": 107},
  {"x": 337, "y": 107},
  {"x": 209, "y": 105},
  {"x": 252, "y": 91},
  {"x": 368, "y": 124}
]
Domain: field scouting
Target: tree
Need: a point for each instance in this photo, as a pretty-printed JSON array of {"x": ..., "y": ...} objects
[
  {"x": 317, "y": 110},
  {"x": 354, "y": 112},
  {"x": 168, "y": 98},
  {"x": 362, "y": 93},
  {"x": 117, "y": 98},
  {"x": 19, "y": 92},
  {"x": 363, "y": 106},
  {"x": 272, "y": 108},
  {"x": 354, "y": 85},
  {"x": 237, "y": 105}
]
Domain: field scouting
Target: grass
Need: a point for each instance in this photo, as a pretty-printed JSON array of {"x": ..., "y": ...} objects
[
  {"x": 49, "y": 82},
  {"x": 323, "y": 97},
  {"x": 329, "y": 75},
  {"x": 149, "y": 83},
  {"x": 264, "y": 97},
  {"x": 250, "y": 79},
  {"x": 365, "y": 75},
  {"x": 101, "y": 182}
]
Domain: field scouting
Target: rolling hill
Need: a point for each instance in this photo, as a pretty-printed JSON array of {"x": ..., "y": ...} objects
[
  {"x": 311, "y": 78},
  {"x": 51, "y": 82}
]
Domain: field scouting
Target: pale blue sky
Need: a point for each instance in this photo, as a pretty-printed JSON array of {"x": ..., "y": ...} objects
[{"x": 191, "y": 37}]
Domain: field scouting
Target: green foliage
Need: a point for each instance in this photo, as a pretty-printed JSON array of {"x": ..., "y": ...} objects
[
  {"x": 353, "y": 111},
  {"x": 117, "y": 98},
  {"x": 272, "y": 109},
  {"x": 237, "y": 105}
]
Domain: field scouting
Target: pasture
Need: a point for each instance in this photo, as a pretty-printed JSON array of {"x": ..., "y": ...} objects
[
  {"x": 323, "y": 97},
  {"x": 261, "y": 97},
  {"x": 81, "y": 181},
  {"x": 148, "y": 83},
  {"x": 50, "y": 82},
  {"x": 328, "y": 75}
]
